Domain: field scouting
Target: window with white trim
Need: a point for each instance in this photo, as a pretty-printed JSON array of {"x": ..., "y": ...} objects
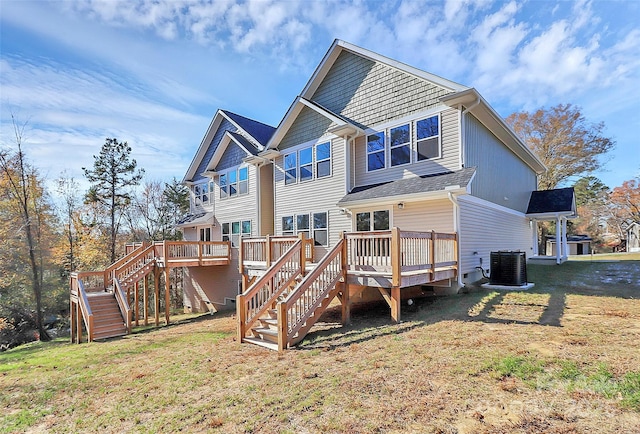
[
  {"x": 201, "y": 193},
  {"x": 400, "y": 145},
  {"x": 205, "y": 234},
  {"x": 313, "y": 224},
  {"x": 234, "y": 183},
  {"x": 290, "y": 168},
  {"x": 308, "y": 163},
  {"x": 320, "y": 229},
  {"x": 375, "y": 152},
  {"x": 372, "y": 221},
  {"x": 428, "y": 138},
  {"x": 234, "y": 230},
  {"x": 323, "y": 160}
]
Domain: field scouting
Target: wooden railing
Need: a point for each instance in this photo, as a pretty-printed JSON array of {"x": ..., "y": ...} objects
[
  {"x": 135, "y": 263},
  {"x": 109, "y": 271},
  {"x": 396, "y": 252},
  {"x": 123, "y": 303},
  {"x": 295, "y": 312},
  {"x": 262, "y": 295},
  {"x": 176, "y": 251},
  {"x": 263, "y": 251},
  {"x": 79, "y": 296}
]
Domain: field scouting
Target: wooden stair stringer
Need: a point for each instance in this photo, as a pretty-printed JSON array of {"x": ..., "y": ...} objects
[{"x": 317, "y": 313}]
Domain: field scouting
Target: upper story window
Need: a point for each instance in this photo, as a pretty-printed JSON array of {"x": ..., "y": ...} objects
[
  {"x": 234, "y": 182},
  {"x": 290, "y": 168},
  {"x": 393, "y": 146},
  {"x": 375, "y": 152},
  {"x": 308, "y": 163},
  {"x": 428, "y": 138},
  {"x": 201, "y": 193},
  {"x": 400, "y": 145}
]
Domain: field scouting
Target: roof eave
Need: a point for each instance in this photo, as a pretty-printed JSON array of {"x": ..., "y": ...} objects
[{"x": 412, "y": 197}]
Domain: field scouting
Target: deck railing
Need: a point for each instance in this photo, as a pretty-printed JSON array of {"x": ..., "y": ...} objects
[
  {"x": 176, "y": 251},
  {"x": 262, "y": 295},
  {"x": 396, "y": 252},
  {"x": 79, "y": 298},
  {"x": 295, "y": 311},
  {"x": 263, "y": 251},
  {"x": 123, "y": 304}
]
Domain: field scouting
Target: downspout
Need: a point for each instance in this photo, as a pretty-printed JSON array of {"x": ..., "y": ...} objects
[
  {"x": 456, "y": 228},
  {"x": 463, "y": 132}
]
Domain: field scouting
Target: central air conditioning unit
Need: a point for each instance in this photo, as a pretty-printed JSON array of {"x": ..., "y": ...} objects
[{"x": 508, "y": 268}]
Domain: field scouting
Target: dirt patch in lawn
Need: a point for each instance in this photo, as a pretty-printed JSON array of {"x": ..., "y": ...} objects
[{"x": 560, "y": 358}]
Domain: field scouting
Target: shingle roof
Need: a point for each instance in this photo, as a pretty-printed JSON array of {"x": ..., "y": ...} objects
[
  {"x": 259, "y": 131},
  {"x": 195, "y": 218},
  {"x": 409, "y": 186},
  {"x": 244, "y": 142},
  {"x": 551, "y": 201}
]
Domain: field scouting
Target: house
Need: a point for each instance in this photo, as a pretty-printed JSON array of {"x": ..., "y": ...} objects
[
  {"x": 576, "y": 245},
  {"x": 381, "y": 181},
  {"x": 632, "y": 237}
]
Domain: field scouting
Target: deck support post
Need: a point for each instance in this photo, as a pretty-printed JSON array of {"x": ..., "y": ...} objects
[
  {"x": 346, "y": 299},
  {"x": 241, "y": 314},
  {"x": 156, "y": 295},
  {"x": 72, "y": 309},
  {"x": 78, "y": 323},
  {"x": 267, "y": 252},
  {"x": 283, "y": 338},
  {"x": 396, "y": 266},
  {"x": 167, "y": 283},
  {"x": 145, "y": 297},
  {"x": 303, "y": 254},
  {"x": 136, "y": 302},
  {"x": 395, "y": 304}
]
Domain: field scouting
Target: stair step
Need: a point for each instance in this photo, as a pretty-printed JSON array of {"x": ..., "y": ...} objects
[
  {"x": 269, "y": 321},
  {"x": 266, "y": 334},
  {"x": 262, "y": 343}
]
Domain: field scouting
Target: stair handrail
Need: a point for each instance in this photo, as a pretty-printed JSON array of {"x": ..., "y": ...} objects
[
  {"x": 85, "y": 308},
  {"x": 123, "y": 304},
  {"x": 289, "y": 322},
  {"x": 133, "y": 260},
  {"x": 263, "y": 293},
  {"x": 108, "y": 272}
]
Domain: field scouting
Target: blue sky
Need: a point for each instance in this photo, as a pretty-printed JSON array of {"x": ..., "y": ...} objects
[{"x": 153, "y": 73}]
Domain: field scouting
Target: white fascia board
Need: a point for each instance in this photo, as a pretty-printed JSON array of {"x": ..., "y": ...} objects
[
  {"x": 552, "y": 215},
  {"x": 338, "y": 46},
  {"x": 414, "y": 197},
  {"x": 494, "y": 122},
  {"x": 204, "y": 145}
]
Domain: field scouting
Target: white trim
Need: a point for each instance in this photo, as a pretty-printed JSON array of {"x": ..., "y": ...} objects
[
  {"x": 415, "y": 139},
  {"x": 383, "y": 150},
  {"x": 413, "y": 197},
  {"x": 408, "y": 118},
  {"x": 409, "y": 144}
]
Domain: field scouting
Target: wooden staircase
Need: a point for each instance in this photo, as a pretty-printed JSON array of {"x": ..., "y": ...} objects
[
  {"x": 107, "y": 318},
  {"x": 281, "y": 306}
]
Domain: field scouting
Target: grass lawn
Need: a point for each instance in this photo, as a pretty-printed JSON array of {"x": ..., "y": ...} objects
[{"x": 563, "y": 357}]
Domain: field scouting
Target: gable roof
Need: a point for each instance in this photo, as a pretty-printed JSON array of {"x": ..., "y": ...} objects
[
  {"x": 552, "y": 203},
  {"x": 256, "y": 133},
  {"x": 410, "y": 188},
  {"x": 259, "y": 131},
  {"x": 323, "y": 69}
]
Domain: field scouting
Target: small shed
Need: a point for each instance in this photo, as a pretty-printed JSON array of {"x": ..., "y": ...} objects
[
  {"x": 576, "y": 245},
  {"x": 556, "y": 205}
]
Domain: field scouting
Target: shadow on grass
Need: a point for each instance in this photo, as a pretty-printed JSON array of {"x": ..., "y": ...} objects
[{"x": 544, "y": 305}]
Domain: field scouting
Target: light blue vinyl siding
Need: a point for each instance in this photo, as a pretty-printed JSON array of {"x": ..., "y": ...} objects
[{"x": 500, "y": 173}]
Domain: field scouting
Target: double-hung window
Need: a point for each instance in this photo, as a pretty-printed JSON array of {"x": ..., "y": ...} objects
[
  {"x": 311, "y": 225},
  {"x": 233, "y": 183},
  {"x": 243, "y": 180},
  {"x": 222, "y": 180},
  {"x": 320, "y": 232},
  {"x": 234, "y": 230},
  {"x": 290, "y": 168},
  {"x": 375, "y": 151},
  {"x": 306, "y": 163},
  {"x": 400, "y": 145},
  {"x": 201, "y": 193},
  {"x": 372, "y": 221},
  {"x": 428, "y": 138},
  {"x": 323, "y": 160}
]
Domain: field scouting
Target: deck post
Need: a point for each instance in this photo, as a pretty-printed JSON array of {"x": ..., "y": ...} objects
[
  {"x": 145, "y": 296},
  {"x": 156, "y": 295},
  {"x": 167, "y": 282},
  {"x": 432, "y": 255},
  {"x": 72, "y": 309},
  {"x": 395, "y": 304},
  {"x": 240, "y": 261},
  {"x": 241, "y": 314},
  {"x": 395, "y": 257},
  {"x": 346, "y": 300},
  {"x": 267, "y": 252},
  {"x": 283, "y": 338},
  {"x": 303, "y": 254},
  {"x": 136, "y": 301},
  {"x": 78, "y": 323}
]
